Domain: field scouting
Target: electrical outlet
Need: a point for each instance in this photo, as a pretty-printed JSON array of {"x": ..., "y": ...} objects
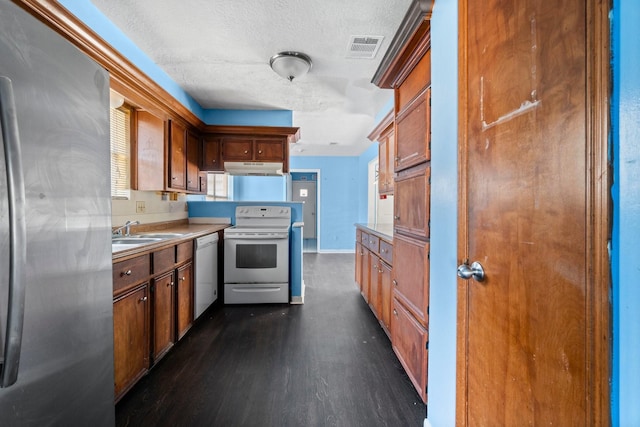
[{"x": 140, "y": 207}]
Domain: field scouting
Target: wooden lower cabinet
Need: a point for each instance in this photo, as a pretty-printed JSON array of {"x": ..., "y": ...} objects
[
  {"x": 184, "y": 296},
  {"x": 410, "y": 342},
  {"x": 374, "y": 285},
  {"x": 374, "y": 256},
  {"x": 385, "y": 296},
  {"x": 130, "y": 338},
  {"x": 359, "y": 255},
  {"x": 164, "y": 309},
  {"x": 411, "y": 275},
  {"x": 152, "y": 309}
]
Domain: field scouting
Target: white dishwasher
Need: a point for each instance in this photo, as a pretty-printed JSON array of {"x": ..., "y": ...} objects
[{"x": 206, "y": 289}]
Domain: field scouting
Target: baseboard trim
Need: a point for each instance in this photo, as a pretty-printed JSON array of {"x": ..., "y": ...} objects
[
  {"x": 337, "y": 251},
  {"x": 298, "y": 300}
]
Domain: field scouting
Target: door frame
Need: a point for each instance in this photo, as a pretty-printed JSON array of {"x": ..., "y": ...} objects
[
  {"x": 598, "y": 215},
  {"x": 290, "y": 183}
]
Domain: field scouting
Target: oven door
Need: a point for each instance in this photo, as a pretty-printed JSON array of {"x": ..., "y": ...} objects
[{"x": 252, "y": 259}]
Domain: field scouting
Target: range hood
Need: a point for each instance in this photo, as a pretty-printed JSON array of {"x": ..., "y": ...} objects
[{"x": 254, "y": 168}]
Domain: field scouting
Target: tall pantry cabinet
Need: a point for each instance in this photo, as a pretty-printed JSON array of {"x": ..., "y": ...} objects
[{"x": 407, "y": 70}]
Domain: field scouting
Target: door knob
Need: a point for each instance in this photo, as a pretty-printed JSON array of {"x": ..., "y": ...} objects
[{"x": 475, "y": 271}]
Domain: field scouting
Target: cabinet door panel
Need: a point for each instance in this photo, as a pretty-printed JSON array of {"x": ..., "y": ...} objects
[
  {"x": 385, "y": 295},
  {"x": 411, "y": 201},
  {"x": 163, "y": 315},
  {"x": 130, "y": 338},
  {"x": 238, "y": 149},
  {"x": 409, "y": 340},
  {"x": 411, "y": 275},
  {"x": 269, "y": 150},
  {"x": 193, "y": 154},
  {"x": 177, "y": 160},
  {"x": 366, "y": 273},
  {"x": 374, "y": 284},
  {"x": 148, "y": 168},
  {"x": 211, "y": 160},
  {"x": 359, "y": 254},
  {"x": 413, "y": 133},
  {"x": 185, "y": 298}
]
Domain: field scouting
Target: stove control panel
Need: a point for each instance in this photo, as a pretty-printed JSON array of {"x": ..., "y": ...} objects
[{"x": 263, "y": 212}]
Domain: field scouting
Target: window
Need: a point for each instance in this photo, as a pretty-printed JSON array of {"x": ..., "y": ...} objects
[
  {"x": 120, "y": 152},
  {"x": 218, "y": 186}
]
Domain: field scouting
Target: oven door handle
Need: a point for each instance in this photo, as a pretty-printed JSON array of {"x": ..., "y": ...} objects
[{"x": 256, "y": 237}]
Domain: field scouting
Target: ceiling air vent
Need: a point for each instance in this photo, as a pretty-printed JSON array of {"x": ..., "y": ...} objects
[{"x": 364, "y": 47}]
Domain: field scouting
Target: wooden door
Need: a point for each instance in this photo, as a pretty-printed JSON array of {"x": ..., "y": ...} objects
[{"x": 532, "y": 346}]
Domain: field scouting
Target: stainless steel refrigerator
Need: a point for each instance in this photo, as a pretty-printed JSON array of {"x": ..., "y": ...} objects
[{"x": 56, "y": 313}]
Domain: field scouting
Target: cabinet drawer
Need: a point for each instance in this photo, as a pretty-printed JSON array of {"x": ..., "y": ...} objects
[
  {"x": 364, "y": 238},
  {"x": 386, "y": 252},
  {"x": 130, "y": 272},
  {"x": 164, "y": 260},
  {"x": 374, "y": 243},
  {"x": 409, "y": 340},
  {"x": 184, "y": 252},
  {"x": 411, "y": 275}
]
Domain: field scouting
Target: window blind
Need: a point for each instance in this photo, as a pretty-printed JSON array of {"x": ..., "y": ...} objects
[
  {"x": 120, "y": 152},
  {"x": 218, "y": 186}
]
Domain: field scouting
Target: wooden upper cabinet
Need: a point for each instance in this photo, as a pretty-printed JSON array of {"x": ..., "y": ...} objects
[
  {"x": 385, "y": 135},
  {"x": 193, "y": 156},
  {"x": 247, "y": 144},
  {"x": 177, "y": 157},
  {"x": 237, "y": 149},
  {"x": 148, "y": 165},
  {"x": 413, "y": 131},
  {"x": 211, "y": 160},
  {"x": 254, "y": 149},
  {"x": 411, "y": 201},
  {"x": 270, "y": 149}
]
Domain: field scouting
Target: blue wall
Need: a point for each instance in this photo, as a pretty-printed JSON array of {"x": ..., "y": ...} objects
[
  {"x": 444, "y": 203},
  {"x": 260, "y": 188},
  {"x": 625, "y": 266},
  {"x": 341, "y": 184}
]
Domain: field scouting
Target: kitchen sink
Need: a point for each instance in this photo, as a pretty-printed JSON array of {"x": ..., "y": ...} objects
[
  {"x": 133, "y": 240},
  {"x": 158, "y": 235}
]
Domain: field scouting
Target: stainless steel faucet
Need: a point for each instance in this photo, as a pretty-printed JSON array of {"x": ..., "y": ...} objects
[{"x": 126, "y": 227}]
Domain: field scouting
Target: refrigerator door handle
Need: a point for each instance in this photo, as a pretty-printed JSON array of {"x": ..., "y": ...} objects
[{"x": 17, "y": 235}]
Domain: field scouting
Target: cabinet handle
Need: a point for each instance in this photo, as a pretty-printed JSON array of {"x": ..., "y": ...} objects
[
  {"x": 189, "y": 182},
  {"x": 396, "y": 217},
  {"x": 173, "y": 177},
  {"x": 380, "y": 271},
  {"x": 143, "y": 299},
  {"x": 182, "y": 278},
  {"x": 246, "y": 152},
  {"x": 394, "y": 282},
  {"x": 213, "y": 161},
  {"x": 125, "y": 273},
  {"x": 395, "y": 312},
  {"x": 170, "y": 284}
]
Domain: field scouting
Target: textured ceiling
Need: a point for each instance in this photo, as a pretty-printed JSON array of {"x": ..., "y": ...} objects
[{"x": 219, "y": 51}]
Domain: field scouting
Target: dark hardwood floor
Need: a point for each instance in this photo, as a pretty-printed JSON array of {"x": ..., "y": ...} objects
[{"x": 324, "y": 363}]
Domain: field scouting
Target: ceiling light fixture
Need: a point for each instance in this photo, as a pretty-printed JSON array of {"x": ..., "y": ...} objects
[{"x": 290, "y": 65}]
